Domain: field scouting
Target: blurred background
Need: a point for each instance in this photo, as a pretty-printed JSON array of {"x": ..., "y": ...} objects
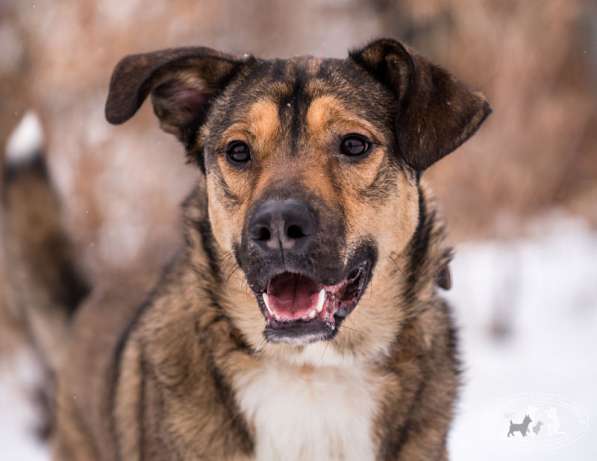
[{"x": 520, "y": 198}]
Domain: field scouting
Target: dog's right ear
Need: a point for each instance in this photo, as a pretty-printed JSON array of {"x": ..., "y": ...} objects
[
  {"x": 435, "y": 112},
  {"x": 182, "y": 82}
]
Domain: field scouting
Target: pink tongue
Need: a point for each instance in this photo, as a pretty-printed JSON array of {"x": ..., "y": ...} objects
[{"x": 291, "y": 296}]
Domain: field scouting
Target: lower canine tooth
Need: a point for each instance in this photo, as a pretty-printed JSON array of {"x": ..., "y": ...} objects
[
  {"x": 320, "y": 300},
  {"x": 266, "y": 303}
]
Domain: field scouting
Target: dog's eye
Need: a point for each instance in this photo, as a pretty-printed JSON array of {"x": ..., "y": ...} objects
[
  {"x": 238, "y": 153},
  {"x": 355, "y": 145}
]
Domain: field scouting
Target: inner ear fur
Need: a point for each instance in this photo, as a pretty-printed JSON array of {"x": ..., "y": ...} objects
[
  {"x": 435, "y": 112},
  {"x": 182, "y": 83}
]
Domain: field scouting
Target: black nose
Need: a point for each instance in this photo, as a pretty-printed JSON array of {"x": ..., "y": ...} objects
[{"x": 287, "y": 225}]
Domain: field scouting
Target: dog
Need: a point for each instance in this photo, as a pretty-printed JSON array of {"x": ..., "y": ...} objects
[
  {"x": 523, "y": 427},
  {"x": 537, "y": 427},
  {"x": 302, "y": 318}
]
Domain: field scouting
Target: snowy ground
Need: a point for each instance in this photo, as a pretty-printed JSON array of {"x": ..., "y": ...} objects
[
  {"x": 528, "y": 316},
  {"x": 543, "y": 288},
  {"x": 18, "y": 418}
]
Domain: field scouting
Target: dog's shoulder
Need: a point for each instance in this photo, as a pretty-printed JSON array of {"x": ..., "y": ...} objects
[{"x": 178, "y": 358}]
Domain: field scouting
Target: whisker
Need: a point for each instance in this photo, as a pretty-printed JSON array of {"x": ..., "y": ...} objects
[
  {"x": 325, "y": 348},
  {"x": 261, "y": 345}
]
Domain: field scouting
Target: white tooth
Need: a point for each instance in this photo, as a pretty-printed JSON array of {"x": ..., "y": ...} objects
[
  {"x": 320, "y": 300},
  {"x": 267, "y": 304},
  {"x": 312, "y": 314}
]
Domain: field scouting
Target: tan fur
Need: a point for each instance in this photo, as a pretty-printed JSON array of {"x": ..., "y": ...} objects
[{"x": 327, "y": 112}]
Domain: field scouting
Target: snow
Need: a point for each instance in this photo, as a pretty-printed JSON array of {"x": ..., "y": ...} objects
[
  {"x": 544, "y": 289},
  {"x": 537, "y": 294},
  {"x": 26, "y": 140},
  {"x": 18, "y": 418}
]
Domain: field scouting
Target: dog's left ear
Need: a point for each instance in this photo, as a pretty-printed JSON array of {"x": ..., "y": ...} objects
[
  {"x": 182, "y": 83},
  {"x": 435, "y": 113}
]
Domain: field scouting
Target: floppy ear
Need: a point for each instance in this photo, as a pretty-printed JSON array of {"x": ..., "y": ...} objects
[
  {"x": 182, "y": 83},
  {"x": 435, "y": 113}
]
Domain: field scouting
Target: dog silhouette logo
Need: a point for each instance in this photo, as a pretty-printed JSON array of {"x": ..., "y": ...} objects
[
  {"x": 523, "y": 427},
  {"x": 537, "y": 427}
]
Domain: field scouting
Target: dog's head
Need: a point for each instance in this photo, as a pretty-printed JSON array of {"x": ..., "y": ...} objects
[{"x": 312, "y": 169}]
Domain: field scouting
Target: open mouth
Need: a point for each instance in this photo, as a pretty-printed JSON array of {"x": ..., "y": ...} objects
[{"x": 299, "y": 309}]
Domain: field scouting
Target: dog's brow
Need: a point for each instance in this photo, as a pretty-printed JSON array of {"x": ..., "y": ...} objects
[
  {"x": 263, "y": 119},
  {"x": 327, "y": 110},
  {"x": 261, "y": 122}
]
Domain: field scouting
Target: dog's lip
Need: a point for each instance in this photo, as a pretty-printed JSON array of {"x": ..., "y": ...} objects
[{"x": 321, "y": 318}]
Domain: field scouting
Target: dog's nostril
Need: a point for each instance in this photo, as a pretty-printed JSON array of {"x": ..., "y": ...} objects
[
  {"x": 295, "y": 232},
  {"x": 263, "y": 234},
  {"x": 286, "y": 225}
]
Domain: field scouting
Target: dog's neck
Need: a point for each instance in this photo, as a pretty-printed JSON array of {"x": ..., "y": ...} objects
[{"x": 416, "y": 273}]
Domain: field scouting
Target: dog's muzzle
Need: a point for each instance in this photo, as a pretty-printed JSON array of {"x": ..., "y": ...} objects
[{"x": 291, "y": 256}]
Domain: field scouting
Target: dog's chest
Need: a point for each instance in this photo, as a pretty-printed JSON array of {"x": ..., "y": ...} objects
[{"x": 308, "y": 413}]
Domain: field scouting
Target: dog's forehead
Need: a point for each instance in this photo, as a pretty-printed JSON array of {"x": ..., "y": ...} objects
[
  {"x": 308, "y": 77},
  {"x": 290, "y": 86}
]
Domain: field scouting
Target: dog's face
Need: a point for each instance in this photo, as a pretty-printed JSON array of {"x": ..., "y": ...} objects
[
  {"x": 298, "y": 165},
  {"x": 311, "y": 168}
]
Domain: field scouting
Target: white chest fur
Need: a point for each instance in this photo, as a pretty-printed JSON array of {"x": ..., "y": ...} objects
[{"x": 310, "y": 412}]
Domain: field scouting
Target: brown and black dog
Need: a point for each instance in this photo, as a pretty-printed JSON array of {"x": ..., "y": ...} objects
[{"x": 301, "y": 320}]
